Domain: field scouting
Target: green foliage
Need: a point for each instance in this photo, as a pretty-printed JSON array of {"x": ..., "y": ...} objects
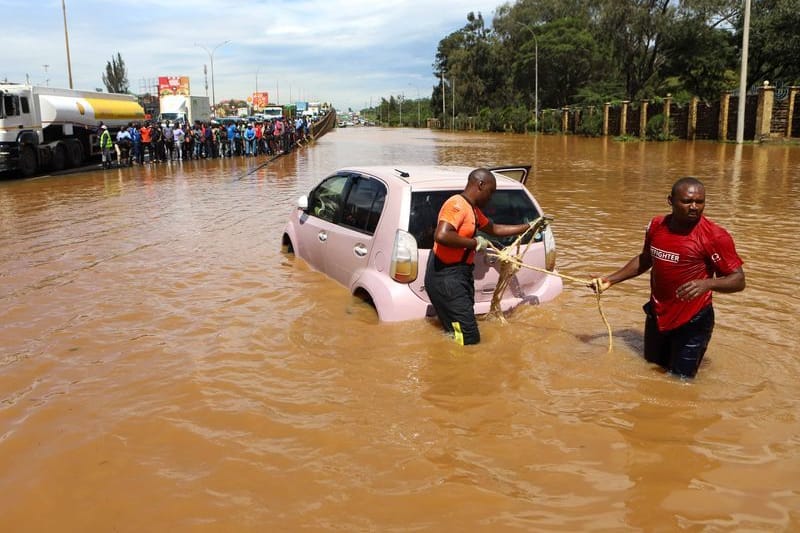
[
  {"x": 658, "y": 130},
  {"x": 590, "y": 52},
  {"x": 116, "y": 76},
  {"x": 591, "y": 123},
  {"x": 550, "y": 121},
  {"x": 774, "y": 41}
]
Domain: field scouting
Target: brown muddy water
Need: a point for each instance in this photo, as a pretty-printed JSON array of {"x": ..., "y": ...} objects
[{"x": 164, "y": 367}]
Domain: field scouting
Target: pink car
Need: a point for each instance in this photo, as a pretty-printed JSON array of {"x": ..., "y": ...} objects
[{"x": 371, "y": 229}]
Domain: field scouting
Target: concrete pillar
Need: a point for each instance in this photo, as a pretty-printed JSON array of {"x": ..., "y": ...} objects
[
  {"x": 766, "y": 100},
  {"x": 606, "y": 107},
  {"x": 643, "y": 120},
  {"x": 724, "y": 108},
  {"x": 564, "y": 119},
  {"x": 691, "y": 127},
  {"x": 667, "y": 112},
  {"x": 793, "y": 91},
  {"x": 623, "y": 118}
]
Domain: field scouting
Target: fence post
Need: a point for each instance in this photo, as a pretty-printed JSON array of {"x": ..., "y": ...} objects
[
  {"x": 766, "y": 99},
  {"x": 667, "y": 112},
  {"x": 724, "y": 107},
  {"x": 643, "y": 120},
  {"x": 564, "y": 119},
  {"x": 792, "y": 100},
  {"x": 623, "y": 118},
  {"x": 691, "y": 127},
  {"x": 606, "y": 107}
]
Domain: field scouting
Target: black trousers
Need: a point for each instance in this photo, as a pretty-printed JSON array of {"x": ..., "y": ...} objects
[
  {"x": 451, "y": 289},
  {"x": 679, "y": 350}
]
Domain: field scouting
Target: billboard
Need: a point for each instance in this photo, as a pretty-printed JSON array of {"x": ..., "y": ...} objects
[
  {"x": 172, "y": 85},
  {"x": 259, "y": 100}
]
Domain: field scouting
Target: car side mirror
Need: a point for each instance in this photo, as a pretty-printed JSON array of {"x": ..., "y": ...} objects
[{"x": 302, "y": 203}]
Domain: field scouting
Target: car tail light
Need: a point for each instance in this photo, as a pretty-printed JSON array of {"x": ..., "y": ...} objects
[{"x": 405, "y": 258}]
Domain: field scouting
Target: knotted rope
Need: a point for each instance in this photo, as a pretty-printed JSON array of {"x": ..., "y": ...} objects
[{"x": 511, "y": 262}]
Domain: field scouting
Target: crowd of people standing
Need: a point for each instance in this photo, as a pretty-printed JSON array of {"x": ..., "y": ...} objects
[{"x": 153, "y": 142}]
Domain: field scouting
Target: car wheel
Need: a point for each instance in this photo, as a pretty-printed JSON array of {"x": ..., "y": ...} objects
[
  {"x": 363, "y": 308},
  {"x": 286, "y": 245},
  {"x": 59, "y": 157},
  {"x": 74, "y": 153},
  {"x": 27, "y": 161}
]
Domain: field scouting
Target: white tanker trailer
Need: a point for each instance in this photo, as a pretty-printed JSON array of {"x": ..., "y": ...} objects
[{"x": 42, "y": 128}]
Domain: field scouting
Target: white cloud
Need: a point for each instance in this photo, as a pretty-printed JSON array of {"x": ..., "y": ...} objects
[{"x": 342, "y": 51}]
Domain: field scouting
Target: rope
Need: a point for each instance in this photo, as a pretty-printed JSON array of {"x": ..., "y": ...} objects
[{"x": 504, "y": 256}]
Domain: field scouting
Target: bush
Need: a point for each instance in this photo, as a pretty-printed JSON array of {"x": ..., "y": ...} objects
[
  {"x": 550, "y": 122},
  {"x": 657, "y": 129},
  {"x": 591, "y": 124},
  {"x": 517, "y": 118}
]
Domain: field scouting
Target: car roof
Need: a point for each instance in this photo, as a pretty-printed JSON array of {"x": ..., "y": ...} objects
[{"x": 429, "y": 176}]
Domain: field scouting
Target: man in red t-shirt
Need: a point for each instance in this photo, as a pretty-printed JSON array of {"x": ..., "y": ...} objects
[
  {"x": 449, "y": 280},
  {"x": 690, "y": 257}
]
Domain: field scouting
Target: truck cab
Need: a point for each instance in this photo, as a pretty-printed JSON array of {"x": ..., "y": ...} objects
[{"x": 19, "y": 132}]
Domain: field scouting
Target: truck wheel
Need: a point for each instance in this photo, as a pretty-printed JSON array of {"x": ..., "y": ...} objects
[
  {"x": 74, "y": 153},
  {"x": 59, "y": 157},
  {"x": 27, "y": 161}
]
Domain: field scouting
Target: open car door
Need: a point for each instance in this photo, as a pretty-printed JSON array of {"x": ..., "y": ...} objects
[{"x": 518, "y": 172}]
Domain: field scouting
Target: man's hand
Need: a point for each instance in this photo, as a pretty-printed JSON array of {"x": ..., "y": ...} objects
[
  {"x": 481, "y": 243},
  {"x": 692, "y": 289},
  {"x": 599, "y": 285}
]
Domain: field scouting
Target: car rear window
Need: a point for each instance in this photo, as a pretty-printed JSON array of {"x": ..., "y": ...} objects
[{"x": 506, "y": 207}]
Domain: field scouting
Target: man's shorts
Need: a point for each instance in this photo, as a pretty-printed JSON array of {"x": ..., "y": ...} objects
[{"x": 679, "y": 350}]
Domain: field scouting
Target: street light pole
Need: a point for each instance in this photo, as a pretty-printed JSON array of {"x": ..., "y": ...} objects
[
  {"x": 743, "y": 75},
  {"x": 66, "y": 41},
  {"x": 536, "y": 74},
  {"x": 211, "y": 58}
]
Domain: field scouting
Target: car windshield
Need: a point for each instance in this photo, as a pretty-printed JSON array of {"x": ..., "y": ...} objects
[{"x": 506, "y": 207}]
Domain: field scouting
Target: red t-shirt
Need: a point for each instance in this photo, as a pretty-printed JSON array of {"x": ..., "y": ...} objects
[
  {"x": 459, "y": 213},
  {"x": 707, "y": 250}
]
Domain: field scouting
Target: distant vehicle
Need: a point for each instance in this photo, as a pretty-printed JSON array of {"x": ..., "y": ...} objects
[
  {"x": 46, "y": 128},
  {"x": 186, "y": 109},
  {"x": 272, "y": 111},
  {"x": 371, "y": 229}
]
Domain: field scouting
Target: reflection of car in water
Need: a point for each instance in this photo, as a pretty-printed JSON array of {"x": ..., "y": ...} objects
[{"x": 371, "y": 229}]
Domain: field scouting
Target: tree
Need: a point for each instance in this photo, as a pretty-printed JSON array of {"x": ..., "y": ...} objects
[
  {"x": 116, "y": 76},
  {"x": 634, "y": 30},
  {"x": 774, "y": 41},
  {"x": 468, "y": 61}
]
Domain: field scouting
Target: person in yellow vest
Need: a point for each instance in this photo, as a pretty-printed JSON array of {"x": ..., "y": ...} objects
[{"x": 106, "y": 145}]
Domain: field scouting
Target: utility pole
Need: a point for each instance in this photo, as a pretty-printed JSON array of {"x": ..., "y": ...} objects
[
  {"x": 211, "y": 58},
  {"x": 66, "y": 40},
  {"x": 536, "y": 75},
  {"x": 743, "y": 75},
  {"x": 443, "y": 102}
]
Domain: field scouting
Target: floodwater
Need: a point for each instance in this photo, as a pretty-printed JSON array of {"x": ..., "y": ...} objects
[{"x": 164, "y": 367}]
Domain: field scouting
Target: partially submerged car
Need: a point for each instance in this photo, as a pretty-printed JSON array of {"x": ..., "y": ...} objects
[{"x": 371, "y": 229}]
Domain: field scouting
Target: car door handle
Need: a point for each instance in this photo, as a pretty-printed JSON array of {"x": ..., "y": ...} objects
[
  {"x": 360, "y": 250},
  {"x": 322, "y": 236}
]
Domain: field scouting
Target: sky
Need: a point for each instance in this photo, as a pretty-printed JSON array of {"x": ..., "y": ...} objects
[{"x": 349, "y": 53}]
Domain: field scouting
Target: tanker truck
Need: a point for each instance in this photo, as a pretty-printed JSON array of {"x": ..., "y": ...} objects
[{"x": 43, "y": 128}]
